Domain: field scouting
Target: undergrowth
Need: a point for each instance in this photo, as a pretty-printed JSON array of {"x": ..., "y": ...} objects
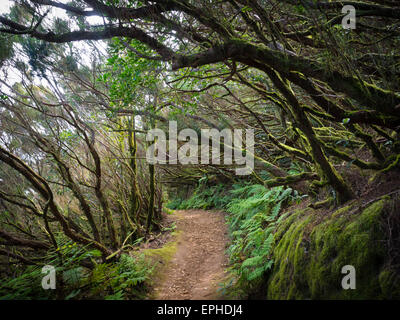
[
  {"x": 203, "y": 198},
  {"x": 122, "y": 279}
]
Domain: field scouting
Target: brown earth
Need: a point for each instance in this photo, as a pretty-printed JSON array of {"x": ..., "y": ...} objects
[{"x": 199, "y": 263}]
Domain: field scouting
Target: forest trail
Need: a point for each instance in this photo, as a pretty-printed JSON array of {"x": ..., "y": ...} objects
[{"x": 199, "y": 263}]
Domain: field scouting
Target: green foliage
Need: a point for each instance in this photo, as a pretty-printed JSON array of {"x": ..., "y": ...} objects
[
  {"x": 6, "y": 48},
  {"x": 123, "y": 279},
  {"x": 251, "y": 224},
  {"x": 129, "y": 76},
  {"x": 174, "y": 203},
  {"x": 37, "y": 51},
  {"x": 26, "y": 285},
  {"x": 204, "y": 198}
]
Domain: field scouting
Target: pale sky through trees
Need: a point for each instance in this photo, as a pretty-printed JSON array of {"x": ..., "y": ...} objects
[
  {"x": 85, "y": 49},
  {"x": 5, "y": 6}
]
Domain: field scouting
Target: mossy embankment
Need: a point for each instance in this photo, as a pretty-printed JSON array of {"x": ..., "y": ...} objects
[{"x": 311, "y": 247}]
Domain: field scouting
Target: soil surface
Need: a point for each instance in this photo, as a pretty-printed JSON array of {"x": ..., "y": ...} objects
[{"x": 199, "y": 263}]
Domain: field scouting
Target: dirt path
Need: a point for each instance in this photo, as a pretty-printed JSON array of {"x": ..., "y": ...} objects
[{"x": 199, "y": 263}]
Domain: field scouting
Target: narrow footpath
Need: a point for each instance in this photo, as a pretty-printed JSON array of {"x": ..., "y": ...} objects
[{"x": 198, "y": 266}]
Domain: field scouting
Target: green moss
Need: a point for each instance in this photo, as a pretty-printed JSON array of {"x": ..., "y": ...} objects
[
  {"x": 311, "y": 249},
  {"x": 389, "y": 282},
  {"x": 161, "y": 258},
  {"x": 164, "y": 254},
  {"x": 168, "y": 210},
  {"x": 289, "y": 235}
]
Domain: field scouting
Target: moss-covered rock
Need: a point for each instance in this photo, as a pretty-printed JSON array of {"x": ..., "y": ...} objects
[{"x": 312, "y": 247}]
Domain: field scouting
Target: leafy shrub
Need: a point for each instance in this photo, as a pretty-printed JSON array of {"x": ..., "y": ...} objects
[
  {"x": 122, "y": 280},
  {"x": 174, "y": 204}
]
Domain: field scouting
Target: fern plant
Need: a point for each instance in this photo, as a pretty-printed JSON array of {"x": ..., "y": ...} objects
[
  {"x": 251, "y": 223},
  {"x": 123, "y": 279}
]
